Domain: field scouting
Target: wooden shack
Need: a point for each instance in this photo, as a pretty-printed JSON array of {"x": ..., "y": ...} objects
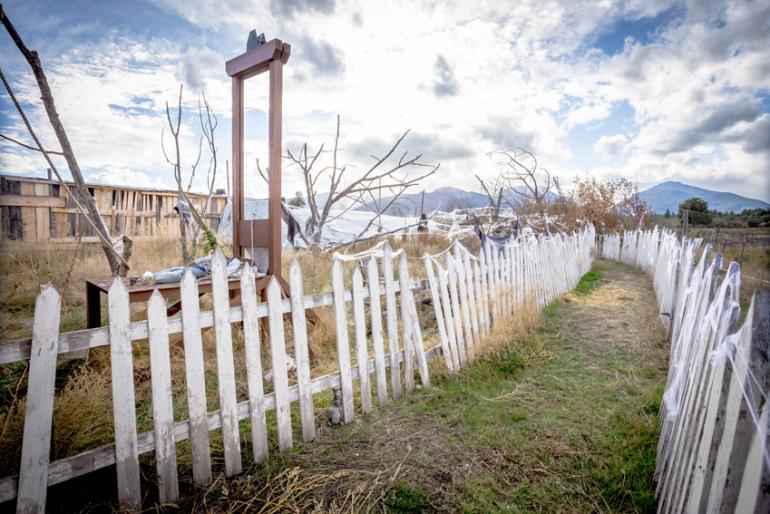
[{"x": 39, "y": 209}]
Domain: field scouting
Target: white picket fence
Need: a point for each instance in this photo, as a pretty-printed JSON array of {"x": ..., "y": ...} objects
[
  {"x": 715, "y": 419},
  {"x": 469, "y": 294}
]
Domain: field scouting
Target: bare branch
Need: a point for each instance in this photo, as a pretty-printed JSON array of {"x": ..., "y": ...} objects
[{"x": 28, "y": 147}]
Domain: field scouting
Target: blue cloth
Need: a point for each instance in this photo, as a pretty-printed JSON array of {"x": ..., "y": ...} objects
[{"x": 200, "y": 268}]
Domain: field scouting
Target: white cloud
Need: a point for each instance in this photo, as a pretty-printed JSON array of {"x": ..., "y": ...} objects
[
  {"x": 610, "y": 146},
  {"x": 510, "y": 75}
]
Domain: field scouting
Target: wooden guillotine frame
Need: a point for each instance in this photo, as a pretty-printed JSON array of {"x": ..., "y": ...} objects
[{"x": 260, "y": 234}]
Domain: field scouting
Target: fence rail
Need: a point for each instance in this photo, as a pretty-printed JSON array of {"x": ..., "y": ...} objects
[
  {"x": 469, "y": 294},
  {"x": 713, "y": 447}
]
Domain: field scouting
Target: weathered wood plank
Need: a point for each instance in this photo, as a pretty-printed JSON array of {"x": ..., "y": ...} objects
[
  {"x": 280, "y": 371},
  {"x": 123, "y": 403},
  {"x": 438, "y": 311},
  {"x": 362, "y": 352},
  {"x": 449, "y": 316},
  {"x": 407, "y": 326},
  {"x": 195, "y": 380},
  {"x": 417, "y": 343},
  {"x": 162, "y": 401},
  {"x": 253, "y": 348},
  {"x": 301, "y": 352},
  {"x": 392, "y": 321},
  {"x": 456, "y": 315},
  {"x": 343, "y": 345},
  {"x": 377, "y": 343},
  {"x": 38, "y": 415},
  {"x": 225, "y": 364}
]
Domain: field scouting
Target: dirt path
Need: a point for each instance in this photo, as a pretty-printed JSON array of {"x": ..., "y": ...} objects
[{"x": 561, "y": 419}]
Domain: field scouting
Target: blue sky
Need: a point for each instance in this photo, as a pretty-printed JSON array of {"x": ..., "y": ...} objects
[{"x": 646, "y": 90}]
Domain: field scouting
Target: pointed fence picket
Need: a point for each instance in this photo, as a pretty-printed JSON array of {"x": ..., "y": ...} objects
[{"x": 466, "y": 295}]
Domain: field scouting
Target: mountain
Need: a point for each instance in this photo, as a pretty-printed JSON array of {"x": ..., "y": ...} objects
[
  {"x": 669, "y": 194},
  {"x": 443, "y": 198}
]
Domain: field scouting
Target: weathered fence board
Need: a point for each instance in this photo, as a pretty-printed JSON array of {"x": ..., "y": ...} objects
[
  {"x": 378, "y": 345},
  {"x": 280, "y": 371},
  {"x": 301, "y": 352},
  {"x": 196, "y": 383},
  {"x": 253, "y": 349},
  {"x": 36, "y": 445},
  {"x": 162, "y": 400},
  {"x": 225, "y": 364},
  {"x": 362, "y": 350},
  {"x": 343, "y": 346},
  {"x": 123, "y": 404}
]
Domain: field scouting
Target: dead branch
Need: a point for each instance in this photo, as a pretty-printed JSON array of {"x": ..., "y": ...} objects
[
  {"x": 174, "y": 129},
  {"x": 28, "y": 147},
  {"x": 383, "y": 174}
]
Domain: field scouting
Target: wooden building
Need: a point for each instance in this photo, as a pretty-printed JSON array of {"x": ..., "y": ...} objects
[{"x": 39, "y": 209}]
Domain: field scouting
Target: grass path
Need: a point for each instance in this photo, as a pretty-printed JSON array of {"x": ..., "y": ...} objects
[{"x": 561, "y": 419}]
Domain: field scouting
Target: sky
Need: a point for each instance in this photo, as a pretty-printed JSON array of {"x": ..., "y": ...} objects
[{"x": 645, "y": 90}]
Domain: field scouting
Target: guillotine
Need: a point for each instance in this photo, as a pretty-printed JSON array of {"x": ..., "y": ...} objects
[{"x": 259, "y": 239}]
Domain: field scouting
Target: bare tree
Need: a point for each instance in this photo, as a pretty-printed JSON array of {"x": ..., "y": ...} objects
[
  {"x": 118, "y": 252},
  {"x": 347, "y": 188},
  {"x": 522, "y": 177},
  {"x": 208, "y": 122},
  {"x": 176, "y": 163}
]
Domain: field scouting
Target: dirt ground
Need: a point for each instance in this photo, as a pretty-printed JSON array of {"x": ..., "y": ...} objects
[{"x": 562, "y": 419}]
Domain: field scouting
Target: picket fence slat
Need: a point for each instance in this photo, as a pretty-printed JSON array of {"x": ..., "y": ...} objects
[
  {"x": 378, "y": 344},
  {"x": 417, "y": 343},
  {"x": 438, "y": 309},
  {"x": 36, "y": 444},
  {"x": 301, "y": 352},
  {"x": 162, "y": 401},
  {"x": 195, "y": 380},
  {"x": 280, "y": 371},
  {"x": 225, "y": 364},
  {"x": 407, "y": 326},
  {"x": 343, "y": 346},
  {"x": 456, "y": 316},
  {"x": 449, "y": 319},
  {"x": 123, "y": 403},
  {"x": 253, "y": 349},
  {"x": 362, "y": 351},
  {"x": 392, "y": 321}
]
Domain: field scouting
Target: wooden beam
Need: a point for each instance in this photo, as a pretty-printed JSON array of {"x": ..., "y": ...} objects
[
  {"x": 255, "y": 60},
  {"x": 274, "y": 142},
  {"x": 32, "y": 201}
]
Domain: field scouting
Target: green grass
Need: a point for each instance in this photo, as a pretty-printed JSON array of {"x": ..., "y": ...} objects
[{"x": 588, "y": 282}]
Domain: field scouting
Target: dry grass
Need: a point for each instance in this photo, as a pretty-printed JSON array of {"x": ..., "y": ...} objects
[{"x": 86, "y": 383}]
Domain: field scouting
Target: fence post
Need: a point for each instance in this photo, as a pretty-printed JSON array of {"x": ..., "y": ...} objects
[
  {"x": 378, "y": 345},
  {"x": 390, "y": 308},
  {"x": 362, "y": 351},
  {"x": 36, "y": 445},
  {"x": 437, "y": 309}
]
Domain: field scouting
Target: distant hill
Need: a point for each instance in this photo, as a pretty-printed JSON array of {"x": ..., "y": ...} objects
[
  {"x": 443, "y": 198},
  {"x": 669, "y": 194}
]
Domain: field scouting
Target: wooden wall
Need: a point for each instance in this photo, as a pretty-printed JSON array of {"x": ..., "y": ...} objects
[{"x": 40, "y": 210}]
